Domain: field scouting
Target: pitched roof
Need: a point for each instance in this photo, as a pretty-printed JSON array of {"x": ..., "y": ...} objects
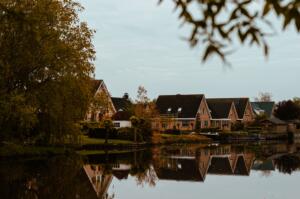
[
  {"x": 184, "y": 106},
  {"x": 240, "y": 168},
  {"x": 122, "y": 116},
  {"x": 265, "y": 107},
  {"x": 121, "y": 174},
  {"x": 267, "y": 165},
  {"x": 187, "y": 170},
  {"x": 275, "y": 120},
  {"x": 219, "y": 108},
  {"x": 240, "y": 104},
  {"x": 220, "y": 165},
  {"x": 95, "y": 84},
  {"x": 121, "y": 103}
]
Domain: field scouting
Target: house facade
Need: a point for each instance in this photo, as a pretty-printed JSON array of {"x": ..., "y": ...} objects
[
  {"x": 274, "y": 125},
  {"x": 122, "y": 105},
  {"x": 106, "y": 108},
  {"x": 223, "y": 113},
  {"x": 181, "y": 112},
  {"x": 243, "y": 108}
]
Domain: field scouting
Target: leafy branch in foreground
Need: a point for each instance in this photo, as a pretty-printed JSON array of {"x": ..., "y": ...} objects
[{"x": 215, "y": 23}]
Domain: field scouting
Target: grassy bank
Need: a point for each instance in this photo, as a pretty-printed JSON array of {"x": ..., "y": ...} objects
[
  {"x": 11, "y": 149},
  {"x": 92, "y": 145},
  {"x": 100, "y": 152},
  {"x": 172, "y": 139},
  {"x": 85, "y": 140}
]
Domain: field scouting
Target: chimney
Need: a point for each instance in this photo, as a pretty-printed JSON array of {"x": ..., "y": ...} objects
[{"x": 126, "y": 96}]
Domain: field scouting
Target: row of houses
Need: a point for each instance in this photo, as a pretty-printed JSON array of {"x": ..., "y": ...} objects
[{"x": 190, "y": 112}]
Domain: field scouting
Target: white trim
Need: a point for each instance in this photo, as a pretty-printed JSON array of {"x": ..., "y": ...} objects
[
  {"x": 222, "y": 119},
  {"x": 108, "y": 94},
  {"x": 234, "y": 109},
  {"x": 205, "y": 104},
  {"x": 183, "y": 118}
]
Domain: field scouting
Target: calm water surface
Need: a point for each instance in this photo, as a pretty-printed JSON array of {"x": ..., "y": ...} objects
[{"x": 195, "y": 171}]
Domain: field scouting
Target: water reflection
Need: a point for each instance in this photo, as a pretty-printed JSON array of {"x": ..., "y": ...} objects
[{"x": 93, "y": 176}]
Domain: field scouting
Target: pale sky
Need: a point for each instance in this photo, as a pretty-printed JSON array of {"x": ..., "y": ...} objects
[{"x": 139, "y": 43}]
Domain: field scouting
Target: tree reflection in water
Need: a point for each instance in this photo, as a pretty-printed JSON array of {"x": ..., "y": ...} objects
[
  {"x": 92, "y": 176},
  {"x": 287, "y": 163}
]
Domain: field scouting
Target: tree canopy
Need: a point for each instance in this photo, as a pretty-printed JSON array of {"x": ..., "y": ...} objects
[
  {"x": 45, "y": 68},
  {"x": 215, "y": 23},
  {"x": 287, "y": 110}
]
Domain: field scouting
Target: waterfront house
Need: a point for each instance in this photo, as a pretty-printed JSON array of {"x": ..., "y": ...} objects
[
  {"x": 106, "y": 108},
  {"x": 274, "y": 125},
  {"x": 223, "y": 113},
  {"x": 122, "y": 117},
  {"x": 263, "y": 108},
  {"x": 243, "y": 108},
  {"x": 181, "y": 112}
]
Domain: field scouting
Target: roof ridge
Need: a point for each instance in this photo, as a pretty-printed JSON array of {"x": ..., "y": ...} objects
[{"x": 182, "y": 95}]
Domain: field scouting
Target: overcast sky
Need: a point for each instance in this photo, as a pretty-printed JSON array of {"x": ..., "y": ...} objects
[{"x": 139, "y": 43}]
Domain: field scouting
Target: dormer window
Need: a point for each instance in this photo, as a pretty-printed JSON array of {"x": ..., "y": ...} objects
[
  {"x": 169, "y": 109},
  {"x": 179, "y": 109}
]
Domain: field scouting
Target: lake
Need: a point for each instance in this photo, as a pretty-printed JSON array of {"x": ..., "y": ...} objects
[{"x": 257, "y": 170}]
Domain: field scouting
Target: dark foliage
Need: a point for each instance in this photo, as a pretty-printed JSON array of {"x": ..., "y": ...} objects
[
  {"x": 238, "y": 126},
  {"x": 287, "y": 163},
  {"x": 144, "y": 134},
  {"x": 287, "y": 110},
  {"x": 215, "y": 24}
]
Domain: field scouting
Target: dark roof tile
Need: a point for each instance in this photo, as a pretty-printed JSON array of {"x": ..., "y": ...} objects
[
  {"x": 266, "y": 107},
  {"x": 219, "y": 108},
  {"x": 240, "y": 104},
  {"x": 95, "y": 84},
  {"x": 183, "y": 106},
  {"x": 121, "y": 103}
]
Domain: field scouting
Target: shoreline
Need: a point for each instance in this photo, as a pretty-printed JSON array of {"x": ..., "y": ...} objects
[{"x": 97, "y": 146}]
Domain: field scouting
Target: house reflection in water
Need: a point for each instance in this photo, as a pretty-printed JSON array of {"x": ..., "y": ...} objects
[
  {"x": 101, "y": 177},
  {"x": 195, "y": 165}
]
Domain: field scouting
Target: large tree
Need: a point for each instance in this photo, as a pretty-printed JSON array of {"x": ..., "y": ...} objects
[
  {"x": 45, "y": 68},
  {"x": 215, "y": 23}
]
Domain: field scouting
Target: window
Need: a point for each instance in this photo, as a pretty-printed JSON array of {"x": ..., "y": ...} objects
[
  {"x": 225, "y": 123},
  {"x": 185, "y": 123},
  {"x": 117, "y": 124},
  {"x": 206, "y": 123},
  {"x": 164, "y": 125}
]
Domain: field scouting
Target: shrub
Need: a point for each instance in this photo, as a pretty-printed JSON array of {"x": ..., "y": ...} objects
[
  {"x": 172, "y": 131},
  {"x": 238, "y": 126},
  {"x": 209, "y": 130}
]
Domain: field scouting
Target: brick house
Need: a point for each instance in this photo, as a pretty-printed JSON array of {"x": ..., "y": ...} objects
[
  {"x": 243, "y": 108},
  {"x": 223, "y": 113},
  {"x": 108, "y": 110},
  {"x": 181, "y": 112}
]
